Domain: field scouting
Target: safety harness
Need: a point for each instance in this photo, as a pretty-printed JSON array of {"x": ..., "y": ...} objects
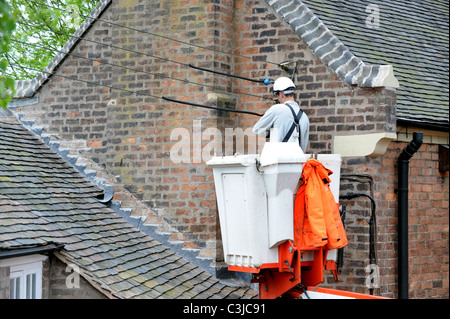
[{"x": 295, "y": 125}]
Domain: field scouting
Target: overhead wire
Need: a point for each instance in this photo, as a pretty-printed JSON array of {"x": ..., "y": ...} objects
[
  {"x": 139, "y": 93},
  {"x": 264, "y": 81},
  {"x": 88, "y": 82},
  {"x": 152, "y": 33},
  {"x": 105, "y": 44},
  {"x": 144, "y": 54},
  {"x": 102, "y": 61},
  {"x": 148, "y": 55},
  {"x": 140, "y": 53},
  {"x": 10, "y": 57}
]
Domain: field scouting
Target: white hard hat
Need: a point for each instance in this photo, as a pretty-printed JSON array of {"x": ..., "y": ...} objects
[{"x": 283, "y": 84}]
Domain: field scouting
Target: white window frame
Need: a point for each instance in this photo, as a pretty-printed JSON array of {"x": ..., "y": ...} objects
[{"x": 21, "y": 267}]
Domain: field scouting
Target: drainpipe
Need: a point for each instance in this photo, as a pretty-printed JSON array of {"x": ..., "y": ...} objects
[{"x": 403, "y": 169}]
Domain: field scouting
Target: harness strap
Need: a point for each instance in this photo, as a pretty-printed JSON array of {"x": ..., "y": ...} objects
[{"x": 294, "y": 125}]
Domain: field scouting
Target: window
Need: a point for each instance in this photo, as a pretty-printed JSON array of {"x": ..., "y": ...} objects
[
  {"x": 23, "y": 284},
  {"x": 25, "y": 279}
]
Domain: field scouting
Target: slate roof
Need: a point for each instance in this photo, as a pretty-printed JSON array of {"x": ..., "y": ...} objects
[
  {"x": 44, "y": 200},
  {"x": 329, "y": 49},
  {"x": 413, "y": 37}
]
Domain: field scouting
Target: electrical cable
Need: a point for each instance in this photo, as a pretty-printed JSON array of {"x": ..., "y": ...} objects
[
  {"x": 365, "y": 178},
  {"x": 108, "y": 45},
  {"x": 144, "y": 54},
  {"x": 9, "y": 58},
  {"x": 142, "y": 94},
  {"x": 151, "y": 33},
  {"x": 90, "y": 82},
  {"x": 265, "y": 81},
  {"x": 290, "y": 270},
  {"x": 137, "y": 70},
  {"x": 211, "y": 107},
  {"x": 304, "y": 289},
  {"x": 371, "y": 227}
]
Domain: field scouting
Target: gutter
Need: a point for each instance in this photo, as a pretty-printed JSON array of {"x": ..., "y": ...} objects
[
  {"x": 11, "y": 253},
  {"x": 440, "y": 127},
  {"x": 403, "y": 170}
]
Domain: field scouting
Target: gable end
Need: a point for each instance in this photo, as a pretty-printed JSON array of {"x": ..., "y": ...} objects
[{"x": 330, "y": 49}]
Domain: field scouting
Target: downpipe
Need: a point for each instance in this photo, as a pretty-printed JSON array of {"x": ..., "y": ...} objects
[{"x": 403, "y": 171}]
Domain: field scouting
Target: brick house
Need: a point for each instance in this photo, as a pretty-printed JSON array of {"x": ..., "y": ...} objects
[{"x": 368, "y": 76}]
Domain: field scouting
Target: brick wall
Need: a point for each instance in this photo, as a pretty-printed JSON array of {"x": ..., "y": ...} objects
[
  {"x": 56, "y": 287},
  {"x": 46, "y": 277},
  {"x": 428, "y": 224},
  {"x": 130, "y": 135},
  {"x": 4, "y": 282},
  {"x": 331, "y": 106},
  {"x": 429, "y": 220}
]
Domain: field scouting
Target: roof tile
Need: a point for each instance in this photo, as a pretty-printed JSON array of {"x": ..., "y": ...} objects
[
  {"x": 42, "y": 200},
  {"x": 412, "y": 37}
]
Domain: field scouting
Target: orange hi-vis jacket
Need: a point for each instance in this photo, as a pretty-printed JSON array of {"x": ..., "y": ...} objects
[{"x": 317, "y": 221}]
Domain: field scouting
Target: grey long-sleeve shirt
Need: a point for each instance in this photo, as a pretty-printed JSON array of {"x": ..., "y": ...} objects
[{"x": 279, "y": 119}]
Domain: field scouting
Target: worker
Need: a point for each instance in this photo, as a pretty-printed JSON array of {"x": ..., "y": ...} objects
[{"x": 286, "y": 122}]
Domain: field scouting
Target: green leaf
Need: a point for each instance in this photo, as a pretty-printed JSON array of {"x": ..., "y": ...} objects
[
  {"x": 3, "y": 64},
  {"x": 42, "y": 18},
  {"x": 9, "y": 83}
]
